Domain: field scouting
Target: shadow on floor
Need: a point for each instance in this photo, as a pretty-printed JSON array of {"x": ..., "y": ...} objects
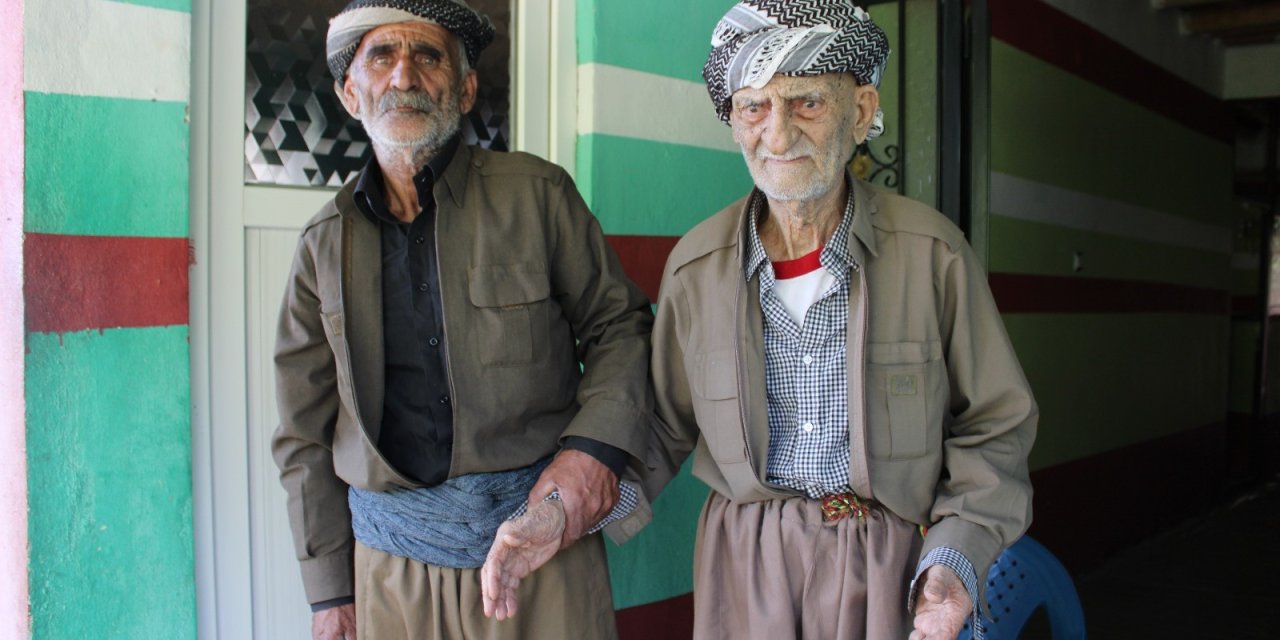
[{"x": 1215, "y": 576}]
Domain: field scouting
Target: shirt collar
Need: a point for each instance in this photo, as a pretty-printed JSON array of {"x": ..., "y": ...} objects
[
  {"x": 834, "y": 257},
  {"x": 370, "y": 193}
]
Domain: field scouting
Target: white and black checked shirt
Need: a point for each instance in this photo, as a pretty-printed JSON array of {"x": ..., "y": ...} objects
[
  {"x": 807, "y": 383},
  {"x": 806, "y": 379}
]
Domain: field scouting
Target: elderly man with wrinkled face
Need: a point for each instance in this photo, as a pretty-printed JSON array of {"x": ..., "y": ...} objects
[
  {"x": 832, "y": 356},
  {"x": 456, "y": 341}
]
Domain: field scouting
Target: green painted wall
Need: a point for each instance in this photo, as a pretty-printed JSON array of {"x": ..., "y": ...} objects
[
  {"x": 109, "y": 454},
  {"x": 106, "y": 166},
  {"x": 108, "y": 410}
]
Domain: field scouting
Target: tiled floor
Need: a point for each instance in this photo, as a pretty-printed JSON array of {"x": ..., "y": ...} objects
[{"x": 1217, "y": 576}]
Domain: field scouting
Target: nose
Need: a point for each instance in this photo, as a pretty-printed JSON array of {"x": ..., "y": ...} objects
[
  {"x": 402, "y": 76},
  {"x": 779, "y": 133}
]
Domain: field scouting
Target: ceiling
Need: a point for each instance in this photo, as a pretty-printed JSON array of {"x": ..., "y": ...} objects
[{"x": 1233, "y": 22}]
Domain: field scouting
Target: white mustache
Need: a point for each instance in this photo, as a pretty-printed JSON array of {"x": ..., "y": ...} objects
[
  {"x": 396, "y": 99},
  {"x": 795, "y": 153}
]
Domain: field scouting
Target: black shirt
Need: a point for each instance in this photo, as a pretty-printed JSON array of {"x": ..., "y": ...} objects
[{"x": 416, "y": 435}]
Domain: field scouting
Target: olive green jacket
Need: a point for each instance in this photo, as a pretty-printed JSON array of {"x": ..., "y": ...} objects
[
  {"x": 940, "y": 415},
  {"x": 530, "y": 289}
]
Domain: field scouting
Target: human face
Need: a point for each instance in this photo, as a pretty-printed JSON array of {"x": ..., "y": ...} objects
[
  {"x": 797, "y": 133},
  {"x": 408, "y": 87}
]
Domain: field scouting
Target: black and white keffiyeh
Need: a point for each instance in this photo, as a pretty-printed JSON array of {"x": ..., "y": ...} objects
[
  {"x": 362, "y": 16},
  {"x": 758, "y": 39}
]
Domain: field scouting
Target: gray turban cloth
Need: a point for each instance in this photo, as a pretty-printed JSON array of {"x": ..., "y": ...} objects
[
  {"x": 760, "y": 38},
  {"x": 348, "y": 28}
]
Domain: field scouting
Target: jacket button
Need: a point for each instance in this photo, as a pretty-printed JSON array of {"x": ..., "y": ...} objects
[
  {"x": 423, "y": 287},
  {"x": 434, "y": 341},
  {"x": 444, "y": 399}
]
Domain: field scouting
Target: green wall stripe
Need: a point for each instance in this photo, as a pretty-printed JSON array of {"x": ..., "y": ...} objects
[
  {"x": 106, "y": 166},
  {"x": 1022, "y": 246},
  {"x": 1054, "y": 127},
  {"x": 658, "y": 563},
  {"x": 109, "y": 459},
  {"x": 639, "y": 187},
  {"x": 643, "y": 35},
  {"x": 1105, "y": 381},
  {"x": 173, "y": 5}
]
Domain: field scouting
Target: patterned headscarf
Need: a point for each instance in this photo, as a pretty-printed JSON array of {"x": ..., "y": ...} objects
[
  {"x": 760, "y": 38},
  {"x": 347, "y": 29}
]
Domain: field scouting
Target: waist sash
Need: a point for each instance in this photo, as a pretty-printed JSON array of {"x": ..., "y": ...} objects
[{"x": 449, "y": 525}]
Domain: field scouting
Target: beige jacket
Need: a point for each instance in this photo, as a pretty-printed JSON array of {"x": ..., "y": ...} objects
[
  {"x": 943, "y": 419},
  {"x": 529, "y": 289}
]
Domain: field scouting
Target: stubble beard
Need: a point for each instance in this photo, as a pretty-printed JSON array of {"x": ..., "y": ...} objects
[{"x": 443, "y": 120}]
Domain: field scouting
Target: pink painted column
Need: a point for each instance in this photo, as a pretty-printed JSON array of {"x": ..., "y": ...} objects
[{"x": 14, "y": 618}]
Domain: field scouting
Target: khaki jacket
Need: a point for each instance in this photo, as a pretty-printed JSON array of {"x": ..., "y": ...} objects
[
  {"x": 943, "y": 419},
  {"x": 529, "y": 290}
]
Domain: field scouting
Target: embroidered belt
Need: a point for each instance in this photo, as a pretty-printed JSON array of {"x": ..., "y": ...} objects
[{"x": 838, "y": 506}]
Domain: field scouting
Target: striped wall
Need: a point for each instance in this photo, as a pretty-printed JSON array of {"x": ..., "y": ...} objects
[
  {"x": 1111, "y": 242},
  {"x": 106, "y": 255},
  {"x": 15, "y": 621},
  {"x": 652, "y": 161}
]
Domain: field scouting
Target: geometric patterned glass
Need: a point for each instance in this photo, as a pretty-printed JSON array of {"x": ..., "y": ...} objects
[{"x": 297, "y": 133}]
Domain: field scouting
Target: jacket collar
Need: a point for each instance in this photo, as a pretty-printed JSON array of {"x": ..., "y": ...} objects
[{"x": 864, "y": 207}]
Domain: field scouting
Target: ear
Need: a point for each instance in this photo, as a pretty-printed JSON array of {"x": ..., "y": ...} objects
[
  {"x": 468, "y": 97},
  {"x": 866, "y": 101},
  {"x": 346, "y": 91}
]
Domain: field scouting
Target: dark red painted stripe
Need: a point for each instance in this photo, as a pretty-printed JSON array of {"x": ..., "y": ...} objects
[
  {"x": 73, "y": 283},
  {"x": 1088, "y": 509},
  {"x": 643, "y": 258},
  {"x": 1063, "y": 41},
  {"x": 1023, "y": 293},
  {"x": 668, "y": 619}
]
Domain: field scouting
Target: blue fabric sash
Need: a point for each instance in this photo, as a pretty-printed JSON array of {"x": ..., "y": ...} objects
[{"x": 452, "y": 524}]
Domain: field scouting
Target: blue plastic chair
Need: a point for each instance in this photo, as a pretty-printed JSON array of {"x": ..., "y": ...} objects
[{"x": 1023, "y": 579}]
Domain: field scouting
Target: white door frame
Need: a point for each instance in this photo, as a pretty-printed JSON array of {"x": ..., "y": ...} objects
[{"x": 544, "y": 113}]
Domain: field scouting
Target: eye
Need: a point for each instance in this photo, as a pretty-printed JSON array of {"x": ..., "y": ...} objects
[
  {"x": 752, "y": 112},
  {"x": 426, "y": 60}
]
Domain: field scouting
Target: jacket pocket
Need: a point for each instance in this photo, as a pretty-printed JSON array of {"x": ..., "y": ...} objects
[
  {"x": 714, "y": 379},
  {"x": 906, "y": 392},
  {"x": 511, "y": 312}
]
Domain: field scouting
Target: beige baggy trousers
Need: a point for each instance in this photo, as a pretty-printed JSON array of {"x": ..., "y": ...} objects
[
  {"x": 401, "y": 599},
  {"x": 775, "y": 570}
]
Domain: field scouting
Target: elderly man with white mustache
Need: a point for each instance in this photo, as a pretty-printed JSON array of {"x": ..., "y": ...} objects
[
  {"x": 833, "y": 355},
  {"x": 456, "y": 339}
]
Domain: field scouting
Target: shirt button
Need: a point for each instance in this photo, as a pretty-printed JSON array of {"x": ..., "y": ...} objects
[
  {"x": 807, "y": 360},
  {"x": 433, "y": 341},
  {"x": 808, "y": 426},
  {"x": 420, "y": 239},
  {"x": 423, "y": 287},
  {"x": 444, "y": 399}
]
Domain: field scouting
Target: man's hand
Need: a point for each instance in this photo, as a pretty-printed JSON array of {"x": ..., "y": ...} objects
[
  {"x": 587, "y": 487},
  {"x": 941, "y": 606},
  {"x": 521, "y": 546},
  {"x": 335, "y": 623}
]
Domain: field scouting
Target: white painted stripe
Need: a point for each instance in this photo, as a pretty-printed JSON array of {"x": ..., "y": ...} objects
[
  {"x": 1244, "y": 261},
  {"x": 1024, "y": 199},
  {"x": 107, "y": 49},
  {"x": 633, "y": 104}
]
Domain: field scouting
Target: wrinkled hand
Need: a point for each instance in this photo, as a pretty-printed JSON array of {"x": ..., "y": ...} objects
[
  {"x": 587, "y": 487},
  {"x": 521, "y": 546},
  {"x": 336, "y": 623},
  {"x": 941, "y": 606}
]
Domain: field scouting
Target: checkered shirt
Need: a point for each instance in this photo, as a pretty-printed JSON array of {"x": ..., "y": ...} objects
[
  {"x": 628, "y": 500},
  {"x": 806, "y": 379},
  {"x": 807, "y": 383}
]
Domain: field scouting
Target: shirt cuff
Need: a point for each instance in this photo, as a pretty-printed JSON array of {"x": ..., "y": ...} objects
[
  {"x": 608, "y": 455},
  {"x": 628, "y": 500},
  {"x": 317, "y": 607},
  {"x": 954, "y": 560}
]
